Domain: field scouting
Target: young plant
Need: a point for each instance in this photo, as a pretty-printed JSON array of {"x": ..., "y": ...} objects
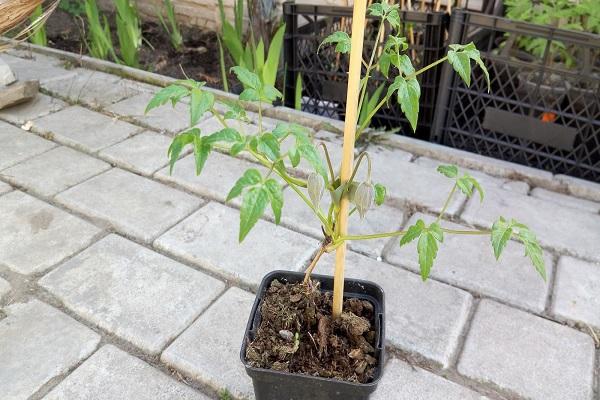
[
  {"x": 38, "y": 36},
  {"x": 99, "y": 41},
  {"x": 129, "y": 32},
  {"x": 288, "y": 144},
  {"x": 171, "y": 27}
]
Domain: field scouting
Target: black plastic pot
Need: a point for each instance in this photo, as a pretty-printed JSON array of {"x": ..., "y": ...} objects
[{"x": 277, "y": 385}]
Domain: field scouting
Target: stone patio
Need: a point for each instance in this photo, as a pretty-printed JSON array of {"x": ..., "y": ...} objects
[{"x": 120, "y": 281}]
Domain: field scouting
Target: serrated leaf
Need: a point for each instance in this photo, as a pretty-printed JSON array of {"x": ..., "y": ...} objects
[
  {"x": 341, "y": 41},
  {"x": 237, "y": 148},
  {"x": 174, "y": 93},
  {"x": 412, "y": 233},
  {"x": 408, "y": 96},
  {"x": 251, "y": 177},
  {"x": 385, "y": 62},
  {"x": 275, "y": 197},
  {"x": 501, "y": 234},
  {"x": 450, "y": 171},
  {"x": 300, "y": 132},
  {"x": 201, "y": 152},
  {"x": 249, "y": 79},
  {"x": 177, "y": 145},
  {"x": 235, "y": 111},
  {"x": 479, "y": 189},
  {"x": 465, "y": 185},
  {"x": 294, "y": 155},
  {"x": 249, "y": 95},
  {"x": 380, "y": 192},
  {"x": 270, "y": 93},
  {"x": 436, "y": 230},
  {"x": 427, "y": 248},
  {"x": 227, "y": 135},
  {"x": 201, "y": 102},
  {"x": 253, "y": 207},
  {"x": 533, "y": 250},
  {"x": 462, "y": 65},
  {"x": 310, "y": 154},
  {"x": 269, "y": 146},
  {"x": 404, "y": 64}
]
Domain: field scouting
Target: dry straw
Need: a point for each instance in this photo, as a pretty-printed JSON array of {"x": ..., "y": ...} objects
[{"x": 14, "y": 13}]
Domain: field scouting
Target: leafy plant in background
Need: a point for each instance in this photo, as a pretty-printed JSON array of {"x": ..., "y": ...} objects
[
  {"x": 129, "y": 32},
  {"x": 99, "y": 40},
  {"x": 38, "y": 36},
  {"x": 288, "y": 144},
  {"x": 171, "y": 26}
]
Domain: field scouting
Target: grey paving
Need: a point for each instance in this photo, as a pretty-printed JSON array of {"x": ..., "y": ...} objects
[
  {"x": 528, "y": 356},
  {"x": 38, "y": 343},
  {"x": 484, "y": 179},
  {"x": 209, "y": 239},
  {"x": 40, "y": 106},
  {"x": 132, "y": 292},
  {"x": 209, "y": 351},
  {"x": 568, "y": 230},
  {"x": 427, "y": 317},
  {"x": 133, "y": 205},
  {"x": 517, "y": 186},
  {"x": 144, "y": 153},
  {"x": 19, "y": 145},
  {"x": 4, "y": 188},
  {"x": 34, "y": 235},
  {"x": 566, "y": 200},
  {"x": 219, "y": 175},
  {"x": 468, "y": 261},
  {"x": 4, "y": 288},
  {"x": 112, "y": 374},
  {"x": 577, "y": 291},
  {"x": 166, "y": 118},
  {"x": 54, "y": 171},
  {"x": 83, "y": 129},
  {"x": 581, "y": 188},
  {"x": 45, "y": 69},
  {"x": 411, "y": 183},
  {"x": 92, "y": 88},
  {"x": 405, "y": 382}
]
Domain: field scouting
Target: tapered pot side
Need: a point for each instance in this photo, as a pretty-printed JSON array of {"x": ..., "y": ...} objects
[{"x": 277, "y": 385}]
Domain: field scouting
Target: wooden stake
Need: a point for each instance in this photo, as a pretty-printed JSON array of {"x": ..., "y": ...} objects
[{"x": 356, "y": 53}]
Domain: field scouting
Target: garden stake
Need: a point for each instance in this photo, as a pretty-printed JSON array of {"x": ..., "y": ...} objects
[{"x": 358, "y": 33}]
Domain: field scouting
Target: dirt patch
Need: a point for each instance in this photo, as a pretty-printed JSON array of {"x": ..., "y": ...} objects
[
  {"x": 198, "y": 59},
  {"x": 297, "y": 334}
]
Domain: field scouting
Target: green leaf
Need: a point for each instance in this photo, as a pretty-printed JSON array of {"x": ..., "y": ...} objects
[
  {"x": 427, "y": 248},
  {"x": 177, "y": 145},
  {"x": 248, "y": 79},
  {"x": 380, "y": 192},
  {"x": 408, "y": 96},
  {"x": 201, "y": 152},
  {"x": 269, "y": 146},
  {"x": 253, "y": 207},
  {"x": 436, "y": 230},
  {"x": 412, "y": 233},
  {"x": 237, "y": 148},
  {"x": 310, "y": 154},
  {"x": 301, "y": 133},
  {"x": 270, "y": 93},
  {"x": 235, "y": 111},
  {"x": 461, "y": 63},
  {"x": 259, "y": 57},
  {"x": 501, "y": 234},
  {"x": 232, "y": 42},
  {"x": 450, "y": 171},
  {"x": 479, "y": 189},
  {"x": 174, "y": 93},
  {"x": 474, "y": 55},
  {"x": 294, "y": 155},
  {"x": 341, "y": 40},
  {"x": 384, "y": 64},
  {"x": 272, "y": 64},
  {"x": 276, "y": 197},
  {"x": 250, "y": 95},
  {"x": 227, "y": 135},
  {"x": 533, "y": 250},
  {"x": 466, "y": 184},
  {"x": 404, "y": 64},
  {"x": 250, "y": 178},
  {"x": 200, "y": 104}
]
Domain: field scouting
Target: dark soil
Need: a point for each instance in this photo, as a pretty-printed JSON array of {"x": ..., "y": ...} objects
[
  {"x": 199, "y": 59},
  {"x": 297, "y": 334}
]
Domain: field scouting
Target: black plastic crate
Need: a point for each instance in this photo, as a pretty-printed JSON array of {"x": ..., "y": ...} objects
[
  {"x": 324, "y": 75},
  {"x": 542, "y": 111}
]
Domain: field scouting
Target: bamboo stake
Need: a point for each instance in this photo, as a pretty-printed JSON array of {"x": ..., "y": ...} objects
[{"x": 358, "y": 35}]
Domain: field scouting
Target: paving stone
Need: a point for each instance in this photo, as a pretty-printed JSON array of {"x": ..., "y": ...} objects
[
  {"x": 566, "y": 200},
  {"x": 469, "y": 262},
  {"x": 6, "y": 75},
  {"x": 298, "y": 216},
  {"x": 569, "y": 230},
  {"x": 166, "y": 118},
  {"x": 18, "y": 145},
  {"x": 4, "y": 188},
  {"x": 54, "y": 171},
  {"x": 4, "y": 288},
  {"x": 517, "y": 186},
  {"x": 135, "y": 206},
  {"x": 39, "y": 106},
  {"x": 112, "y": 374},
  {"x": 484, "y": 179},
  {"x": 580, "y": 187},
  {"x": 93, "y": 88},
  {"x": 84, "y": 129},
  {"x": 402, "y": 381},
  {"x": 38, "y": 343},
  {"x": 35, "y": 236},
  {"x": 577, "y": 291},
  {"x": 209, "y": 238},
  {"x": 209, "y": 350},
  {"x": 219, "y": 175},
  {"x": 427, "y": 318},
  {"x": 411, "y": 183},
  {"x": 132, "y": 292},
  {"x": 528, "y": 355},
  {"x": 144, "y": 153},
  {"x": 45, "y": 69}
]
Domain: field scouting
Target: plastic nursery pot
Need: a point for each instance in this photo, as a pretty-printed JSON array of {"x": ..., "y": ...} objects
[{"x": 277, "y": 385}]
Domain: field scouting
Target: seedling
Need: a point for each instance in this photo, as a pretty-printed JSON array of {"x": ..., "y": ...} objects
[
  {"x": 171, "y": 26},
  {"x": 288, "y": 144},
  {"x": 99, "y": 41},
  {"x": 129, "y": 32}
]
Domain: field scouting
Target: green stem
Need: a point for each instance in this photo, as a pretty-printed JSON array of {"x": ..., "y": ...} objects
[
  {"x": 219, "y": 117},
  {"x": 371, "y": 236},
  {"x": 316, "y": 210},
  {"x": 265, "y": 162},
  {"x": 329, "y": 165},
  {"x": 260, "y": 124},
  {"x": 368, "y": 74},
  {"x": 447, "y": 203},
  {"x": 460, "y": 232}
]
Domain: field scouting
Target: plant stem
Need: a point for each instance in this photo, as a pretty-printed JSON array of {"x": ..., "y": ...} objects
[
  {"x": 328, "y": 161},
  {"x": 313, "y": 264},
  {"x": 260, "y": 125},
  {"x": 316, "y": 210},
  {"x": 357, "y": 165},
  {"x": 373, "y": 236},
  {"x": 447, "y": 203},
  {"x": 460, "y": 232}
]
